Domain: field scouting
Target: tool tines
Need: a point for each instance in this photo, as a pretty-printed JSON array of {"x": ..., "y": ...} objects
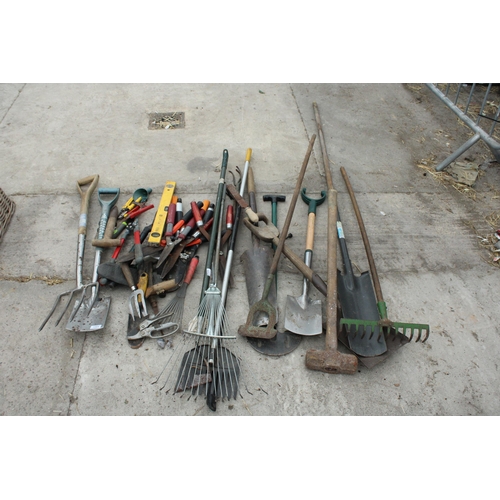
[
  {"x": 385, "y": 327},
  {"x": 137, "y": 304}
]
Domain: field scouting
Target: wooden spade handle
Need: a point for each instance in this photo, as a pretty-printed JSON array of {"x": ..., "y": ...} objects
[
  {"x": 311, "y": 219},
  {"x": 90, "y": 181}
]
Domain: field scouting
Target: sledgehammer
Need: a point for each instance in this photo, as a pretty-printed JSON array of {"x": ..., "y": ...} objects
[{"x": 330, "y": 360}]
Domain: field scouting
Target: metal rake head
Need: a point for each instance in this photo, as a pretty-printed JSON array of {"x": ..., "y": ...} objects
[
  {"x": 207, "y": 371},
  {"x": 385, "y": 327}
]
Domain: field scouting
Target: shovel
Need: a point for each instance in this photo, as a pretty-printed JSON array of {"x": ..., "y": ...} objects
[
  {"x": 257, "y": 264},
  {"x": 302, "y": 314},
  {"x": 330, "y": 360},
  {"x": 263, "y": 305},
  {"x": 386, "y": 325},
  {"x": 90, "y": 313},
  {"x": 357, "y": 299}
]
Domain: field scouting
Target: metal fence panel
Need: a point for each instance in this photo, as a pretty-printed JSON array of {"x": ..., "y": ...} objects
[{"x": 475, "y": 105}]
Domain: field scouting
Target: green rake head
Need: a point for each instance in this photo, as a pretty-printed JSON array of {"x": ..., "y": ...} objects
[{"x": 362, "y": 327}]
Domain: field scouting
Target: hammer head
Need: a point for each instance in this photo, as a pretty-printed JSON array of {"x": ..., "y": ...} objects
[
  {"x": 275, "y": 198},
  {"x": 331, "y": 361}
]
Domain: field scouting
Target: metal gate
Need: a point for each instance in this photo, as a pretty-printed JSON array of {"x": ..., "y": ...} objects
[{"x": 475, "y": 105}]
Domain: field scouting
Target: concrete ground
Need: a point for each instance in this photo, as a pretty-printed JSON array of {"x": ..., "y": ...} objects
[{"x": 423, "y": 234}]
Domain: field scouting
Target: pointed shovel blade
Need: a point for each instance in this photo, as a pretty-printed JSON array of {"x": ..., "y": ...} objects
[{"x": 357, "y": 299}]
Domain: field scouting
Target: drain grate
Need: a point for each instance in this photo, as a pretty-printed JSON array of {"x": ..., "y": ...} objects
[{"x": 158, "y": 121}]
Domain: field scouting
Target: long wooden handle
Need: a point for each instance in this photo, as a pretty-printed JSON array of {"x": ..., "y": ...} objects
[
  {"x": 369, "y": 255},
  {"x": 291, "y": 208},
  {"x": 310, "y": 231}
]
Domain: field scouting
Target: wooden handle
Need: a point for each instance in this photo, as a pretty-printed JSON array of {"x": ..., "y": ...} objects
[
  {"x": 160, "y": 287},
  {"x": 310, "y": 231},
  {"x": 91, "y": 182},
  {"x": 251, "y": 184},
  {"x": 369, "y": 255},
  {"x": 128, "y": 275}
]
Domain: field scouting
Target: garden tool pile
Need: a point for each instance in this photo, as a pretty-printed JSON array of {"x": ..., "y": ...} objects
[{"x": 159, "y": 257}]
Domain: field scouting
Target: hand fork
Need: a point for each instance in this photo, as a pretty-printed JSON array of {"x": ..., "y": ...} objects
[{"x": 137, "y": 301}]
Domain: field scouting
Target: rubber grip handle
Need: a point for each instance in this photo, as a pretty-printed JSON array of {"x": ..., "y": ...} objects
[
  {"x": 230, "y": 216},
  {"x": 136, "y": 213},
  {"x": 86, "y": 194},
  {"x": 196, "y": 214},
  {"x": 187, "y": 228},
  {"x": 118, "y": 250},
  {"x": 178, "y": 210},
  {"x": 191, "y": 269},
  {"x": 171, "y": 215},
  {"x": 139, "y": 256},
  {"x": 137, "y": 237},
  {"x": 209, "y": 214},
  {"x": 187, "y": 217},
  {"x": 143, "y": 282}
]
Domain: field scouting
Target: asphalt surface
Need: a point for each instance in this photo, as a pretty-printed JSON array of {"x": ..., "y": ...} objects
[{"x": 430, "y": 265}]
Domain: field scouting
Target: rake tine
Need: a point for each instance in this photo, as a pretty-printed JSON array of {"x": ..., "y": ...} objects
[
  {"x": 372, "y": 332},
  {"x": 426, "y": 336},
  {"x": 228, "y": 379},
  {"x": 419, "y": 334},
  {"x": 363, "y": 330}
]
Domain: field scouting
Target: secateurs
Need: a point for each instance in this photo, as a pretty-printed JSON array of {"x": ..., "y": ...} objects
[{"x": 155, "y": 328}]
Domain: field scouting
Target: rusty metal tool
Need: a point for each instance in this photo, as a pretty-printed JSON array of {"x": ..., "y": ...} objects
[
  {"x": 257, "y": 262},
  {"x": 233, "y": 193},
  {"x": 330, "y": 360},
  {"x": 270, "y": 234},
  {"x": 263, "y": 305}
]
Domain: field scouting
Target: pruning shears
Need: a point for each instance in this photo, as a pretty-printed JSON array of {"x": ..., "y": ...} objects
[{"x": 151, "y": 327}]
